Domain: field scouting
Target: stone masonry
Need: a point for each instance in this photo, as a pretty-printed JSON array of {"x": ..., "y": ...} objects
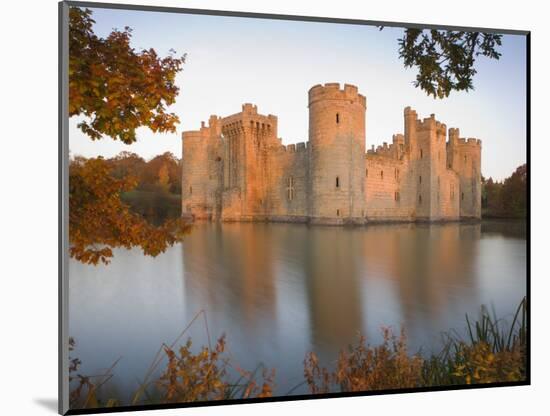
[{"x": 237, "y": 169}]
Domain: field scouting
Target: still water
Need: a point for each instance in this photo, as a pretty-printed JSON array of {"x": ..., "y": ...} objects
[{"x": 280, "y": 290}]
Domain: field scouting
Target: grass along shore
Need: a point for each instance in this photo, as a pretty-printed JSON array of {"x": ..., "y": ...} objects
[{"x": 494, "y": 351}]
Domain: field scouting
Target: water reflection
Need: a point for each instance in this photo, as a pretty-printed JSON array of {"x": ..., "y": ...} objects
[{"x": 280, "y": 290}]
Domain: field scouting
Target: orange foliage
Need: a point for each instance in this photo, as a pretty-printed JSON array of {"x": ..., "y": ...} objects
[
  {"x": 203, "y": 377},
  {"x": 117, "y": 88},
  {"x": 363, "y": 368},
  {"x": 100, "y": 221}
]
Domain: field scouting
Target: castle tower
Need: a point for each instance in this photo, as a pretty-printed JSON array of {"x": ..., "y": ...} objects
[
  {"x": 337, "y": 158},
  {"x": 200, "y": 171},
  {"x": 425, "y": 143},
  {"x": 410, "y": 117},
  {"x": 247, "y": 137},
  {"x": 464, "y": 157}
]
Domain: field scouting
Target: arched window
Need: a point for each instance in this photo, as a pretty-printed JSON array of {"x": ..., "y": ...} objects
[
  {"x": 190, "y": 190},
  {"x": 381, "y": 174},
  {"x": 420, "y": 179},
  {"x": 419, "y": 199},
  {"x": 338, "y": 182},
  {"x": 337, "y": 118},
  {"x": 421, "y": 154},
  {"x": 396, "y": 196},
  {"x": 337, "y": 212}
]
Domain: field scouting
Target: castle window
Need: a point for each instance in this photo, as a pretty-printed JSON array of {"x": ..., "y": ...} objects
[
  {"x": 366, "y": 173},
  {"x": 420, "y": 179},
  {"x": 419, "y": 199},
  {"x": 381, "y": 174},
  {"x": 337, "y": 212},
  {"x": 337, "y": 118},
  {"x": 421, "y": 154},
  {"x": 452, "y": 191},
  {"x": 290, "y": 188},
  {"x": 338, "y": 182},
  {"x": 462, "y": 196},
  {"x": 190, "y": 190},
  {"x": 396, "y": 196},
  {"x": 396, "y": 174}
]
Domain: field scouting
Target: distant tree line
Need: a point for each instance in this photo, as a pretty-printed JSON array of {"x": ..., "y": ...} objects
[
  {"x": 506, "y": 199},
  {"x": 160, "y": 174}
]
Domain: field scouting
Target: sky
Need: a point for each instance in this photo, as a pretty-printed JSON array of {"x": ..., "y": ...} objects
[{"x": 273, "y": 63}]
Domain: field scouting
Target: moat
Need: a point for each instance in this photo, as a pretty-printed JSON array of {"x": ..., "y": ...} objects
[{"x": 280, "y": 290}]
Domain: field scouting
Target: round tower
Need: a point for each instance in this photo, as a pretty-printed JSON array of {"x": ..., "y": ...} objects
[{"x": 337, "y": 155}]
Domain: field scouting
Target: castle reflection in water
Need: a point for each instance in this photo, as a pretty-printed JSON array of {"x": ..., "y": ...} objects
[{"x": 279, "y": 291}]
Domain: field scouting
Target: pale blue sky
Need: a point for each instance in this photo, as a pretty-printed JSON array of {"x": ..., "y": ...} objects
[{"x": 273, "y": 63}]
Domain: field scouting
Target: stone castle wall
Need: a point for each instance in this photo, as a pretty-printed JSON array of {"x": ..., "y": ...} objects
[
  {"x": 289, "y": 183},
  {"x": 236, "y": 169}
]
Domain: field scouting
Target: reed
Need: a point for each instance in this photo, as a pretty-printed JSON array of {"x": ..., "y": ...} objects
[{"x": 493, "y": 351}]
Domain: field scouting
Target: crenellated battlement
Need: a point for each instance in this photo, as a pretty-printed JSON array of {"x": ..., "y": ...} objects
[
  {"x": 462, "y": 142},
  {"x": 249, "y": 118},
  {"x": 332, "y": 91},
  {"x": 409, "y": 112},
  {"x": 431, "y": 124},
  {"x": 469, "y": 142},
  {"x": 249, "y": 108},
  {"x": 193, "y": 135},
  {"x": 201, "y": 134},
  {"x": 294, "y": 147},
  {"x": 456, "y": 140},
  {"x": 454, "y": 133},
  {"x": 392, "y": 150}
]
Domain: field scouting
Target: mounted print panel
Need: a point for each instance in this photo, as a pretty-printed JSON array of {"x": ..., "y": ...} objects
[{"x": 266, "y": 208}]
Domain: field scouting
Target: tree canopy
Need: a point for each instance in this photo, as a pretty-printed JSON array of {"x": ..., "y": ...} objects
[
  {"x": 445, "y": 58},
  {"x": 115, "y": 87},
  {"x": 506, "y": 199}
]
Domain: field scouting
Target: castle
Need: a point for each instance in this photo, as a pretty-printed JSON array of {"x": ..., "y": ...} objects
[{"x": 237, "y": 169}]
